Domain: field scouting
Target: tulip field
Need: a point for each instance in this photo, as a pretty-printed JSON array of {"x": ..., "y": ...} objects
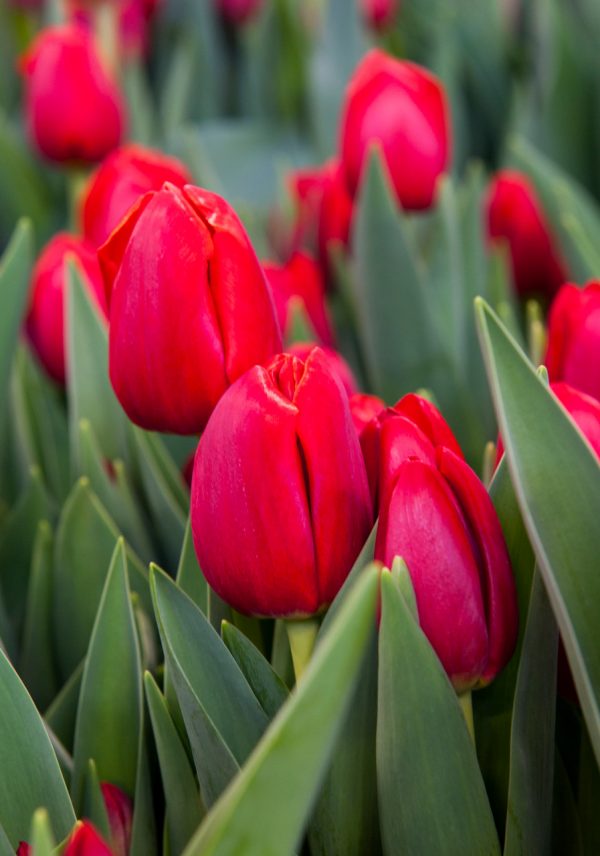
[{"x": 300, "y": 435}]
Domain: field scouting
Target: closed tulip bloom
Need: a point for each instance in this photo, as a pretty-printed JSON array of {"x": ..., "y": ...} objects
[
  {"x": 337, "y": 364},
  {"x": 74, "y": 109},
  {"x": 437, "y": 515},
  {"x": 44, "y": 324},
  {"x": 119, "y": 809},
  {"x": 300, "y": 280},
  {"x": 573, "y": 353},
  {"x": 379, "y": 14},
  {"x": 238, "y": 12},
  {"x": 402, "y": 108},
  {"x": 119, "y": 181},
  {"x": 190, "y": 307},
  {"x": 514, "y": 216},
  {"x": 335, "y": 214},
  {"x": 86, "y": 841},
  {"x": 280, "y": 501},
  {"x": 364, "y": 407}
]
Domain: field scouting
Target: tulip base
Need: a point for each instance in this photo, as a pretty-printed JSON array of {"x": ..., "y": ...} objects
[
  {"x": 466, "y": 705},
  {"x": 302, "y": 636}
]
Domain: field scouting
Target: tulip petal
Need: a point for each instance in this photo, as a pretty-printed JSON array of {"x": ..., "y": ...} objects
[
  {"x": 428, "y": 418},
  {"x": 400, "y": 440}
]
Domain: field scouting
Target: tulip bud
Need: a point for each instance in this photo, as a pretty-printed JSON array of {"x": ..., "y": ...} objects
[
  {"x": 573, "y": 353},
  {"x": 119, "y": 809},
  {"x": 364, "y": 408},
  {"x": 280, "y": 500},
  {"x": 514, "y": 216},
  {"x": 436, "y": 514},
  {"x": 74, "y": 110},
  {"x": 45, "y": 318},
  {"x": 24, "y": 849},
  {"x": 335, "y": 214},
  {"x": 336, "y": 363},
  {"x": 403, "y": 108},
  {"x": 190, "y": 307},
  {"x": 86, "y": 841},
  {"x": 119, "y": 181},
  {"x": 238, "y": 12},
  {"x": 379, "y": 14},
  {"x": 300, "y": 279}
]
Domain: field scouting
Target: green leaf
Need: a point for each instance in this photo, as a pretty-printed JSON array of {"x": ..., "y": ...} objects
[
  {"x": 222, "y": 716},
  {"x": 190, "y": 578},
  {"x": 143, "y": 829},
  {"x": 93, "y": 807},
  {"x": 85, "y": 541},
  {"x": 184, "y": 807},
  {"x": 41, "y": 837},
  {"x": 89, "y": 391},
  {"x": 397, "y": 328},
  {"x": 62, "y": 713},
  {"x": 36, "y": 663},
  {"x": 557, "y": 478},
  {"x": 110, "y": 701},
  {"x": 529, "y": 817},
  {"x": 266, "y": 684},
  {"x": 260, "y": 813},
  {"x": 30, "y": 776},
  {"x": 431, "y": 795}
]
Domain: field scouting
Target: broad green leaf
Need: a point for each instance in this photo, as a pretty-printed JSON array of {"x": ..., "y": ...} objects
[
  {"x": 93, "y": 807},
  {"x": 263, "y": 811},
  {"x": 30, "y": 776},
  {"x": 110, "y": 701},
  {"x": 431, "y": 795},
  {"x": 184, "y": 807},
  {"x": 557, "y": 482},
  {"x": 397, "y": 328},
  {"x": 85, "y": 541},
  {"x": 143, "y": 829},
  {"x": 529, "y": 816},
  {"x": 62, "y": 713},
  {"x": 5, "y": 845},
  {"x": 30, "y": 196},
  {"x": 88, "y": 386},
  {"x": 36, "y": 661},
  {"x": 140, "y": 113},
  {"x": 266, "y": 684},
  {"x": 190, "y": 578},
  {"x": 211, "y": 689}
]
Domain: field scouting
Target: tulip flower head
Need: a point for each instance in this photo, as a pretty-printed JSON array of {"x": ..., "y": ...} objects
[
  {"x": 119, "y": 809},
  {"x": 280, "y": 500},
  {"x": 190, "y": 307},
  {"x": 436, "y": 514},
  {"x": 573, "y": 353},
  {"x": 74, "y": 109},
  {"x": 379, "y": 14},
  {"x": 337, "y": 364},
  {"x": 238, "y": 12},
  {"x": 300, "y": 280},
  {"x": 403, "y": 109},
  {"x": 86, "y": 841}
]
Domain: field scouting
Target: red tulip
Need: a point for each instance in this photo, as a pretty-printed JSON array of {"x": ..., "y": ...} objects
[
  {"x": 403, "y": 108},
  {"x": 190, "y": 307},
  {"x": 119, "y": 181},
  {"x": 237, "y": 12},
  {"x": 337, "y": 364},
  {"x": 86, "y": 841},
  {"x": 514, "y": 216},
  {"x": 379, "y": 14},
  {"x": 573, "y": 353},
  {"x": 45, "y": 318},
  {"x": 300, "y": 280},
  {"x": 24, "y": 849},
  {"x": 119, "y": 809},
  {"x": 74, "y": 109},
  {"x": 280, "y": 501},
  {"x": 364, "y": 408},
  {"x": 306, "y": 190},
  {"x": 437, "y": 515}
]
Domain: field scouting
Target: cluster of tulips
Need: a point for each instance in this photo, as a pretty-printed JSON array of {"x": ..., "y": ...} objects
[{"x": 295, "y": 462}]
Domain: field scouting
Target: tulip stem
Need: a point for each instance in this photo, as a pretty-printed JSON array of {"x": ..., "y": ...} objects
[
  {"x": 302, "y": 636},
  {"x": 466, "y": 705}
]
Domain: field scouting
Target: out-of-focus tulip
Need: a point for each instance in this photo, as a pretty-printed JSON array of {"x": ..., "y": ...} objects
[
  {"x": 24, "y": 849},
  {"x": 300, "y": 279},
  {"x": 337, "y": 364},
  {"x": 45, "y": 318},
  {"x": 514, "y": 215},
  {"x": 190, "y": 307},
  {"x": 119, "y": 809},
  {"x": 437, "y": 515},
  {"x": 379, "y": 14},
  {"x": 133, "y": 19},
  {"x": 401, "y": 107},
  {"x": 237, "y": 12},
  {"x": 280, "y": 501},
  {"x": 573, "y": 353},
  {"x": 120, "y": 180},
  {"x": 86, "y": 841},
  {"x": 364, "y": 407},
  {"x": 74, "y": 109}
]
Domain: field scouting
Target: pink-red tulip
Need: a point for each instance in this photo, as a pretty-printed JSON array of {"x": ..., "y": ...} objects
[
  {"x": 119, "y": 181},
  {"x": 119, "y": 809},
  {"x": 86, "y": 841},
  {"x": 74, "y": 109},
  {"x": 379, "y": 14},
  {"x": 190, "y": 307},
  {"x": 573, "y": 353},
  {"x": 133, "y": 18},
  {"x": 364, "y": 407},
  {"x": 280, "y": 500},
  {"x": 437, "y": 515},
  {"x": 514, "y": 216},
  {"x": 402, "y": 108},
  {"x": 300, "y": 281},
  {"x": 45, "y": 317},
  {"x": 237, "y": 12},
  {"x": 337, "y": 364}
]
